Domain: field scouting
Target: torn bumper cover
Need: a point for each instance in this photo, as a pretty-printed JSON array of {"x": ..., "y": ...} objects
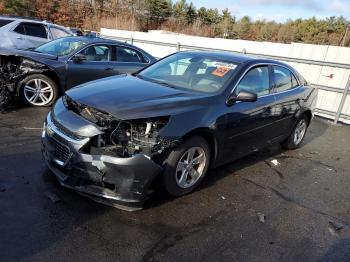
[{"x": 116, "y": 181}]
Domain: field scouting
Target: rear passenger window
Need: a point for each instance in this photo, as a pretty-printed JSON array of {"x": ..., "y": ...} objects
[
  {"x": 58, "y": 33},
  {"x": 4, "y": 22},
  {"x": 128, "y": 55},
  {"x": 283, "y": 79},
  {"x": 255, "y": 81},
  {"x": 97, "y": 53},
  {"x": 20, "y": 29},
  {"x": 31, "y": 29}
]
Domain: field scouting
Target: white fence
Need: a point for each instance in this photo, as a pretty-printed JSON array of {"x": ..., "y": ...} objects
[{"x": 326, "y": 67}]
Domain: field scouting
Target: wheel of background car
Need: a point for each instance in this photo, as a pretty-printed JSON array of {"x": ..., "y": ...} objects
[
  {"x": 38, "y": 90},
  {"x": 186, "y": 166},
  {"x": 298, "y": 134}
]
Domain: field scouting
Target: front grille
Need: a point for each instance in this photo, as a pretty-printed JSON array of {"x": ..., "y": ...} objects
[{"x": 62, "y": 152}]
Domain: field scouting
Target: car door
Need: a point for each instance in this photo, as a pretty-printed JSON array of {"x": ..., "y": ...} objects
[
  {"x": 288, "y": 93},
  {"x": 128, "y": 60},
  {"x": 29, "y": 35},
  {"x": 97, "y": 64},
  {"x": 249, "y": 124}
]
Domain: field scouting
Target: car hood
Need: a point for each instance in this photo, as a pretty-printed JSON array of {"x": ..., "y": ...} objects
[
  {"x": 127, "y": 97},
  {"x": 27, "y": 53}
]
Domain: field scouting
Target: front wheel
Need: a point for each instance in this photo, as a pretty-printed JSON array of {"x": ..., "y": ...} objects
[
  {"x": 38, "y": 90},
  {"x": 297, "y": 136},
  {"x": 186, "y": 166}
]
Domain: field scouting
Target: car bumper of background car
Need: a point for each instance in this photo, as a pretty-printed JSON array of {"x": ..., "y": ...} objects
[{"x": 119, "y": 182}]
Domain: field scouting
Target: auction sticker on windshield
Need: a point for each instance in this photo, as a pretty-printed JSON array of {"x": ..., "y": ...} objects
[{"x": 223, "y": 68}]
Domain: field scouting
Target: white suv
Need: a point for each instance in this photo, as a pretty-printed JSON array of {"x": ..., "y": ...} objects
[{"x": 24, "y": 33}]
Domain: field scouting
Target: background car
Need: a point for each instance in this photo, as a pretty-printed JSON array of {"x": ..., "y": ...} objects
[
  {"x": 41, "y": 75},
  {"x": 24, "y": 33},
  {"x": 173, "y": 120}
]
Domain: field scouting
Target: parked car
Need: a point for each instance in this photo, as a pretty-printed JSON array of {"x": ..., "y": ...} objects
[
  {"x": 24, "y": 33},
  {"x": 109, "y": 139},
  {"x": 41, "y": 75}
]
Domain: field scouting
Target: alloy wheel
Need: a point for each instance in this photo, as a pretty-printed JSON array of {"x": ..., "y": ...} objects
[
  {"x": 300, "y": 131},
  {"x": 38, "y": 92},
  {"x": 191, "y": 167}
]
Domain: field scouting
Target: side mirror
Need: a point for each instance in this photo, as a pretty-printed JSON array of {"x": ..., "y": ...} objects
[
  {"x": 243, "y": 96},
  {"x": 78, "y": 58}
]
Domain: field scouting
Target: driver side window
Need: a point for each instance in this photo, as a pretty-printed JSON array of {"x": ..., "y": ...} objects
[{"x": 255, "y": 81}]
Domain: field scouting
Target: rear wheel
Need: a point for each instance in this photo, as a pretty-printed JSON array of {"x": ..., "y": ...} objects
[
  {"x": 38, "y": 90},
  {"x": 186, "y": 166},
  {"x": 297, "y": 136}
]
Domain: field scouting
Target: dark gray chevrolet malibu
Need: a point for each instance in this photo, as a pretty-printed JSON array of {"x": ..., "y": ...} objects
[{"x": 109, "y": 139}]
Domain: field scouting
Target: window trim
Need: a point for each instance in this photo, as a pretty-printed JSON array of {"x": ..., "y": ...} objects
[
  {"x": 273, "y": 80},
  {"x": 272, "y": 87}
]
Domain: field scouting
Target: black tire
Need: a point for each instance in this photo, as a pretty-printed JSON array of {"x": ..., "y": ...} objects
[
  {"x": 290, "y": 142},
  {"x": 170, "y": 165},
  {"x": 45, "y": 82}
]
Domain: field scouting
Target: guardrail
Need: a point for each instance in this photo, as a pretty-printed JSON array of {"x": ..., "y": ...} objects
[{"x": 333, "y": 115}]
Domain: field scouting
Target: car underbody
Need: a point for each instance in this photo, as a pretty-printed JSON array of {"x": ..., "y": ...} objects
[{"x": 109, "y": 160}]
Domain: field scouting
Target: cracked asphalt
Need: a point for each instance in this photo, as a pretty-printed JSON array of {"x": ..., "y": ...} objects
[{"x": 249, "y": 210}]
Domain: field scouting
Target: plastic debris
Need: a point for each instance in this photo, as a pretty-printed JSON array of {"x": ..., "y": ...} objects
[
  {"x": 334, "y": 227},
  {"x": 275, "y": 162},
  {"x": 261, "y": 217}
]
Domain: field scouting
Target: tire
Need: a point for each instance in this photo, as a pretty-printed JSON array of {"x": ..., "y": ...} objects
[
  {"x": 297, "y": 136},
  {"x": 180, "y": 178},
  {"x": 38, "y": 90}
]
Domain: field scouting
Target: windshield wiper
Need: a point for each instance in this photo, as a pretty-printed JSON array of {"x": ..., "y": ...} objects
[{"x": 155, "y": 81}]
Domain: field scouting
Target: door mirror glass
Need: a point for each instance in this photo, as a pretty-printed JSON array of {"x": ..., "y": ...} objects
[
  {"x": 243, "y": 96},
  {"x": 78, "y": 58}
]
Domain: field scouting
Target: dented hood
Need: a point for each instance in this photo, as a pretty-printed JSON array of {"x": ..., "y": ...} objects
[
  {"x": 128, "y": 97},
  {"x": 27, "y": 53}
]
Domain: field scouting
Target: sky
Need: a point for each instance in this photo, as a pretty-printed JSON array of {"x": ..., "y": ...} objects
[{"x": 280, "y": 10}]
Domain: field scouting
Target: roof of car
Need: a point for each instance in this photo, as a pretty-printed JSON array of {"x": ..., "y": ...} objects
[
  {"x": 92, "y": 39},
  {"x": 235, "y": 58}
]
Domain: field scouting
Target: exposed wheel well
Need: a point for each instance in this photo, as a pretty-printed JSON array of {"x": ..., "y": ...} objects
[
  {"x": 49, "y": 74},
  {"x": 210, "y": 138},
  {"x": 308, "y": 115}
]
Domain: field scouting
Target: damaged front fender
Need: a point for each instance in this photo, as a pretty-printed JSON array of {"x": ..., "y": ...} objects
[{"x": 13, "y": 69}]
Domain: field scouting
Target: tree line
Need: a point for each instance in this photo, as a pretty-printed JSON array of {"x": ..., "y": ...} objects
[{"x": 181, "y": 17}]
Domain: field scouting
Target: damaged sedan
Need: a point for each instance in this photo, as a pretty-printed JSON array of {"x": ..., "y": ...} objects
[
  {"x": 111, "y": 139},
  {"x": 41, "y": 75}
]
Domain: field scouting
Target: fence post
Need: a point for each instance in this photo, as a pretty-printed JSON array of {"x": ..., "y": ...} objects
[
  {"x": 342, "y": 101},
  {"x": 131, "y": 40},
  {"x": 178, "y": 47}
]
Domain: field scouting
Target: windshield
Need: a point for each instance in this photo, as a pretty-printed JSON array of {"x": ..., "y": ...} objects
[
  {"x": 61, "y": 47},
  {"x": 195, "y": 72}
]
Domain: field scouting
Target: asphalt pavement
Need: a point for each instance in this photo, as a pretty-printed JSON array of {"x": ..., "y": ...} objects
[{"x": 275, "y": 205}]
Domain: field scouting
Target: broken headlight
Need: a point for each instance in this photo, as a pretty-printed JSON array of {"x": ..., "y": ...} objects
[
  {"x": 127, "y": 138},
  {"x": 138, "y": 136}
]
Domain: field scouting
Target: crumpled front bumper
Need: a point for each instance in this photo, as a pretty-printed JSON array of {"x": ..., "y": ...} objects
[{"x": 119, "y": 182}]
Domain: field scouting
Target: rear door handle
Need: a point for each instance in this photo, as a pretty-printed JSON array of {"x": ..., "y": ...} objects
[
  {"x": 108, "y": 68},
  {"x": 18, "y": 37}
]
